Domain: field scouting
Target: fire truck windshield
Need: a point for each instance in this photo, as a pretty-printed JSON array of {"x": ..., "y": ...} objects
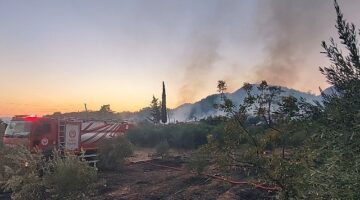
[{"x": 18, "y": 129}]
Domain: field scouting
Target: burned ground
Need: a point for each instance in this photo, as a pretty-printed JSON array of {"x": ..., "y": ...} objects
[{"x": 149, "y": 180}]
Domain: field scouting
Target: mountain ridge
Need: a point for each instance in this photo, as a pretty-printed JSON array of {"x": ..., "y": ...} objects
[{"x": 204, "y": 107}]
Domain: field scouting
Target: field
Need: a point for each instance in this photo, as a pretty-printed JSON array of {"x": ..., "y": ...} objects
[
  {"x": 169, "y": 179},
  {"x": 148, "y": 177}
]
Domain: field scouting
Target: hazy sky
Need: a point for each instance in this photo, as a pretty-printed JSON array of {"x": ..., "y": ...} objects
[{"x": 57, "y": 55}]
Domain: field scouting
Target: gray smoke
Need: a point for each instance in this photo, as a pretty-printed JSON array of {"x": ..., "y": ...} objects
[
  {"x": 289, "y": 31},
  {"x": 202, "y": 51},
  {"x": 202, "y": 56},
  {"x": 288, "y": 28}
]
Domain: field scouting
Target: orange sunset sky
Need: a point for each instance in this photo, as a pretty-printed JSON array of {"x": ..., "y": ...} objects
[{"x": 58, "y": 55}]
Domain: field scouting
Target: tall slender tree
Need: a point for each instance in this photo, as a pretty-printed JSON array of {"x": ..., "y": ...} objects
[{"x": 163, "y": 106}]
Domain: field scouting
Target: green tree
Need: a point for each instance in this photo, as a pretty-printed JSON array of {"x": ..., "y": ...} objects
[
  {"x": 289, "y": 107},
  {"x": 265, "y": 100},
  {"x": 336, "y": 173},
  {"x": 105, "y": 113},
  {"x": 155, "y": 114},
  {"x": 163, "y": 106},
  {"x": 105, "y": 109},
  {"x": 112, "y": 153},
  {"x": 255, "y": 147}
]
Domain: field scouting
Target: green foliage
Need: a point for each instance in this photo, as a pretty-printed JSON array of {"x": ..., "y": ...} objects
[
  {"x": 308, "y": 151},
  {"x": 287, "y": 174},
  {"x": 164, "y": 116},
  {"x": 30, "y": 176},
  {"x": 20, "y": 174},
  {"x": 162, "y": 149},
  {"x": 70, "y": 178},
  {"x": 104, "y": 113},
  {"x": 214, "y": 121},
  {"x": 105, "y": 109},
  {"x": 155, "y": 116},
  {"x": 112, "y": 153},
  {"x": 336, "y": 173},
  {"x": 261, "y": 146},
  {"x": 288, "y": 107},
  {"x": 2, "y": 132},
  {"x": 181, "y": 136},
  {"x": 199, "y": 161}
]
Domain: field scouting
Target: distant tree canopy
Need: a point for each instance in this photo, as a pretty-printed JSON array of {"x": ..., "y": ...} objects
[
  {"x": 105, "y": 109},
  {"x": 104, "y": 113}
]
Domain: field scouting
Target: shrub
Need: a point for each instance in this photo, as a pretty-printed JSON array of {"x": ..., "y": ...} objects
[
  {"x": 30, "y": 176},
  {"x": 162, "y": 149},
  {"x": 145, "y": 135},
  {"x": 2, "y": 131},
  {"x": 199, "y": 161},
  {"x": 26, "y": 186},
  {"x": 181, "y": 136},
  {"x": 3, "y": 164},
  {"x": 70, "y": 178},
  {"x": 112, "y": 153},
  {"x": 20, "y": 174}
]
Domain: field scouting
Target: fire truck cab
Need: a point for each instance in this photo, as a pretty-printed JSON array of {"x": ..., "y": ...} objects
[
  {"x": 46, "y": 134},
  {"x": 32, "y": 131}
]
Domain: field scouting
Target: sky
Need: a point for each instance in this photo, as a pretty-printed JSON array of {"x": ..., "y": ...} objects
[{"x": 58, "y": 55}]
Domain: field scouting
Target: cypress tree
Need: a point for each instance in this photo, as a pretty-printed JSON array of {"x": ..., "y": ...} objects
[{"x": 163, "y": 106}]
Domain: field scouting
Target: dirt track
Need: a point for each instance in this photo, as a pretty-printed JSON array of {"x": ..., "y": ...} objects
[{"x": 143, "y": 180}]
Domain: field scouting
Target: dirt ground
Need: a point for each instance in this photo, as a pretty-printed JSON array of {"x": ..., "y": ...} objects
[{"x": 146, "y": 179}]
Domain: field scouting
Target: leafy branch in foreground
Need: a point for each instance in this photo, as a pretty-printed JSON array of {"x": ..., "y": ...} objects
[{"x": 309, "y": 150}]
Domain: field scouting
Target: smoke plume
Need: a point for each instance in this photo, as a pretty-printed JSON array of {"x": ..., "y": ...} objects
[
  {"x": 288, "y": 29},
  {"x": 202, "y": 56}
]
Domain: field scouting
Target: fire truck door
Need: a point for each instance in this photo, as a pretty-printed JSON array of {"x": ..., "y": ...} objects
[{"x": 72, "y": 136}]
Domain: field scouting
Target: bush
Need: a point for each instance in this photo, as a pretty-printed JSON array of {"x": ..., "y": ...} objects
[
  {"x": 112, "y": 153},
  {"x": 70, "y": 178},
  {"x": 180, "y": 136},
  {"x": 162, "y": 149},
  {"x": 3, "y": 163},
  {"x": 145, "y": 135},
  {"x": 199, "y": 161},
  {"x": 21, "y": 174},
  {"x": 30, "y": 176},
  {"x": 2, "y": 132}
]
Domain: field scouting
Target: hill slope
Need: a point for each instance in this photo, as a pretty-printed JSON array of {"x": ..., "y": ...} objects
[{"x": 205, "y": 107}]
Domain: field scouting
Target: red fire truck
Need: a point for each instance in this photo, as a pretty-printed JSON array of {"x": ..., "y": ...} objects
[{"x": 46, "y": 134}]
